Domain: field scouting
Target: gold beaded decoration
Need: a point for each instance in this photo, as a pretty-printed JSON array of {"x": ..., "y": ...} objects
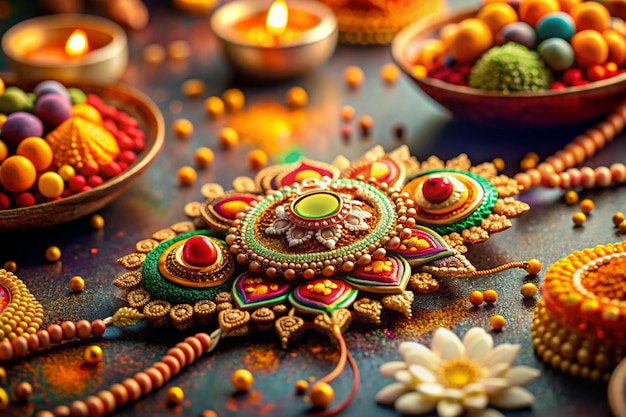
[
  {"x": 579, "y": 326},
  {"x": 20, "y": 312}
]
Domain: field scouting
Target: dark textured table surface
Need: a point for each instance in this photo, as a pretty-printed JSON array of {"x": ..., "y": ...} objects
[{"x": 156, "y": 201}]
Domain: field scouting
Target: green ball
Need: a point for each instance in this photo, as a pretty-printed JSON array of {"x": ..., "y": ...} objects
[
  {"x": 13, "y": 100},
  {"x": 77, "y": 95}
]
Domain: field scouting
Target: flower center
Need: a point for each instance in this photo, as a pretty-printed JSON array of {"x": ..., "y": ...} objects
[{"x": 458, "y": 373}]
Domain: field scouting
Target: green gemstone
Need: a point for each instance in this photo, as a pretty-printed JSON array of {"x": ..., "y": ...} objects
[{"x": 318, "y": 205}]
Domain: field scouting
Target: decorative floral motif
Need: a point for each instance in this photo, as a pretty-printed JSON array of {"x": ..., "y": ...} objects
[{"x": 453, "y": 376}]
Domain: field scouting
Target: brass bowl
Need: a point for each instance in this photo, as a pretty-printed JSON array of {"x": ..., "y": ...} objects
[
  {"x": 542, "y": 109},
  {"x": 78, "y": 205}
]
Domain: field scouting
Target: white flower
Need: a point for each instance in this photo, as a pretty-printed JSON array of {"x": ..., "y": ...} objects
[{"x": 454, "y": 376}]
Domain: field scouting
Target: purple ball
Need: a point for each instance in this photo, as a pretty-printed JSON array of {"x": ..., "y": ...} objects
[
  {"x": 519, "y": 32},
  {"x": 53, "y": 109},
  {"x": 50, "y": 87},
  {"x": 21, "y": 125}
]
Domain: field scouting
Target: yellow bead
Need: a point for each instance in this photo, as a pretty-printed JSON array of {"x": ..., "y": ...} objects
[
  {"x": 214, "y": 107},
  {"x": 228, "y": 137},
  {"x": 175, "y": 395},
  {"x": 3, "y": 375},
  {"x": 178, "y": 50},
  {"x": 50, "y": 184},
  {"x": 193, "y": 88},
  {"x": 66, "y": 172},
  {"x": 53, "y": 253},
  {"x": 571, "y": 197},
  {"x": 618, "y": 217},
  {"x": 354, "y": 76},
  {"x": 4, "y": 399},
  {"x": 186, "y": 175},
  {"x": 420, "y": 71},
  {"x": 586, "y": 206},
  {"x": 497, "y": 322},
  {"x": 93, "y": 354},
  {"x": 242, "y": 380},
  {"x": 96, "y": 222},
  {"x": 154, "y": 53},
  {"x": 490, "y": 296},
  {"x": 529, "y": 289},
  {"x": 533, "y": 266},
  {"x": 77, "y": 284},
  {"x": 322, "y": 395},
  {"x": 10, "y": 266},
  {"x": 257, "y": 159},
  {"x": 4, "y": 151},
  {"x": 579, "y": 218},
  {"x": 390, "y": 73},
  {"x": 203, "y": 157},
  {"x": 476, "y": 298},
  {"x": 301, "y": 386},
  {"x": 234, "y": 100},
  {"x": 297, "y": 97},
  {"x": 182, "y": 128}
]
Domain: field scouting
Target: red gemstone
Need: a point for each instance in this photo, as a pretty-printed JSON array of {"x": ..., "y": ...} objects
[
  {"x": 199, "y": 251},
  {"x": 437, "y": 189}
]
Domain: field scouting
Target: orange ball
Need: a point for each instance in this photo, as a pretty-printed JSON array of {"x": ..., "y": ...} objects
[
  {"x": 567, "y": 5},
  {"x": 590, "y": 48},
  {"x": 531, "y": 11},
  {"x": 497, "y": 16},
  {"x": 88, "y": 112},
  {"x": 617, "y": 46},
  {"x": 433, "y": 51},
  {"x": 37, "y": 151},
  {"x": 17, "y": 173},
  {"x": 490, "y": 296},
  {"x": 447, "y": 32},
  {"x": 591, "y": 15},
  {"x": 4, "y": 151},
  {"x": 476, "y": 298},
  {"x": 471, "y": 40}
]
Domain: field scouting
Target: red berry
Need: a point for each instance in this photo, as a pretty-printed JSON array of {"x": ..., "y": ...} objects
[
  {"x": 572, "y": 76},
  {"x": 558, "y": 85},
  {"x": 89, "y": 169},
  {"x": 110, "y": 126},
  {"x": 596, "y": 73},
  {"x": 611, "y": 69},
  {"x": 139, "y": 144},
  {"x": 95, "y": 180},
  {"x": 86, "y": 188},
  {"x": 4, "y": 201},
  {"x": 123, "y": 165},
  {"x": 111, "y": 169},
  {"x": 126, "y": 156},
  {"x": 77, "y": 182},
  {"x": 124, "y": 141},
  {"x": 25, "y": 200}
]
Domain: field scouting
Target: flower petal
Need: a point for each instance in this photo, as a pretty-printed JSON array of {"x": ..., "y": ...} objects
[
  {"x": 414, "y": 353},
  {"x": 473, "y": 333},
  {"x": 447, "y": 345},
  {"x": 453, "y": 394},
  {"x": 475, "y": 402},
  {"x": 474, "y": 388},
  {"x": 432, "y": 390},
  {"x": 512, "y": 398},
  {"x": 492, "y": 385},
  {"x": 478, "y": 346},
  {"x": 414, "y": 403},
  {"x": 504, "y": 353},
  {"x": 488, "y": 412},
  {"x": 498, "y": 370},
  {"x": 449, "y": 408},
  {"x": 421, "y": 373},
  {"x": 522, "y": 375},
  {"x": 389, "y": 369},
  {"x": 403, "y": 376},
  {"x": 389, "y": 394}
]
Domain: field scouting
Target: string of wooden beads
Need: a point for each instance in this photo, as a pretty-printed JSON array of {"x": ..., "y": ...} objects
[
  {"x": 559, "y": 170},
  {"x": 141, "y": 384}
]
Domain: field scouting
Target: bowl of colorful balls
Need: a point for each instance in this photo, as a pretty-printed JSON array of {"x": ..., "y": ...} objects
[
  {"x": 525, "y": 63},
  {"x": 69, "y": 150}
]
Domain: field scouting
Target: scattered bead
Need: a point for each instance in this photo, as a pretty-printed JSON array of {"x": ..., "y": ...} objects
[
  {"x": 203, "y": 157},
  {"x": 178, "y": 50},
  {"x": 186, "y": 176},
  {"x": 497, "y": 322},
  {"x": 354, "y": 76},
  {"x": 10, "y": 266},
  {"x": 322, "y": 395},
  {"x": 390, "y": 73},
  {"x": 154, "y": 54},
  {"x": 96, "y": 222},
  {"x": 490, "y": 296},
  {"x": 257, "y": 159},
  {"x": 533, "y": 266},
  {"x": 175, "y": 396},
  {"x": 93, "y": 354},
  {"x": 193, "y": 88},
  {"x": 3, "y": 375},
  {"x": 347, "y": 113},
  {"x": 529, "y": 289},
  {"x": 571, "y": 197},
  {"x": 77, "y": 283},
  {"x": 23, "y": 391},
  {"x": 53, "y": 253},
  {"x": 242, "y": 380},
  {"x": 228, "y": 137},
  {"x": 346, "y": 131},
  {"x": 297, "y": 97},
  {"x": 234, "y": 99},
  {"x": 618, "y": 218},
  {"x": 579, "y": 218},
  {"x": 622, "y": 227},
  {"x": 182, "y": 128},
  {"x": 586, "y": 206},
  {"x": 476, "y": 298},
  {"x": 499, "y": 164},
  {"x": 301, "y": 386},
  {"x": 214, "y": 107},
  {"x": 208, "y": 413},
  {"x": 366, "y": 123}
]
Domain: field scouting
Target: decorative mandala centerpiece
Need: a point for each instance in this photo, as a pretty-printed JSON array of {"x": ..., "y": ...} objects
[{"x": 319, "y": 242}]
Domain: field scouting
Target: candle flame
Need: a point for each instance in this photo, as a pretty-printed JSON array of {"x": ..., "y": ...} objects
[
  {"x": 277, "y": 16},
  {"x": 77, "y": 44}
]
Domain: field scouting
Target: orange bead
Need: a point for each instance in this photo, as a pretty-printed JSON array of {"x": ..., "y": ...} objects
[
  {"x": 4, "y": 151},
  {"x": 579, "y": 219},
  {"x": 590, "y": 48},
  {"x": 617, "y": 46},
  {"x": 354, "y": 76},
  {"x": 497, "y": 322},
  {"x": 476, "y": 298},
  {"x": 591, "y": 15},
  {"x": 567, "y": 5},
  {"x": 17, "y": 173},
  {"x": 432, "y": 52},
  {"x": 531, "y": 11},
  {"x": 533, "y": 266},
  {"x": 203, "y": 157},
  {"x": 587, "y": 206},
  {"x": 186, "y": 175},
  {"x": 490, "y": 296},
  {"x": 182, "y": 128},
  {"x": 471, "y": 40},
  {"x": 497, "y": 16},
  {"x": 322, "y": 395},
  {"x": 297, "y": 97},
  {"x": 528, "y": 290},
  {"x": 571, "y": 197},
  {"x": 257, "y": 159}
]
